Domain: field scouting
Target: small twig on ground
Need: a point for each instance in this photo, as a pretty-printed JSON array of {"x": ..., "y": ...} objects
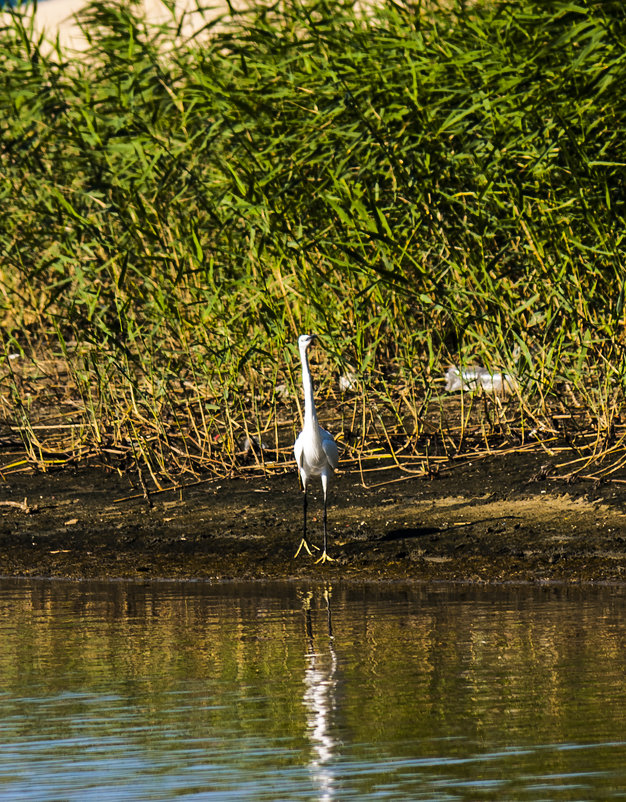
[{"x": 20, "y": 505}]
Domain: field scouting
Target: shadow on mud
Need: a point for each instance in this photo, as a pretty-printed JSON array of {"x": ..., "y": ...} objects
[{"x": 409, "y": 532}]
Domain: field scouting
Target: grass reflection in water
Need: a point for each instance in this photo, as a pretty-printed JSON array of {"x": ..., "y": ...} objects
[{"x": 257, "y": 691}]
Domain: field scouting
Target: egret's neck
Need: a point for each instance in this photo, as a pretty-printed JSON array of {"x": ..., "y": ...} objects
[{"x": 310, "y": 415}]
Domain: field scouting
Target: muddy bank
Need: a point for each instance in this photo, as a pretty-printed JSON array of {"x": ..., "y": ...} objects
[{"x": 494, "y": 520}]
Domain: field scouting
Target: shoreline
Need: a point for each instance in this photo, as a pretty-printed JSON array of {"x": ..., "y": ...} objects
[{"x": 489, "y": 521}]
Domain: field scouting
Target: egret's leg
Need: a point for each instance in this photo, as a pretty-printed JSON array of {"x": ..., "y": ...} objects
[
  {"x": 304, "y": 543},
  {"x": 325, "y": 558}
]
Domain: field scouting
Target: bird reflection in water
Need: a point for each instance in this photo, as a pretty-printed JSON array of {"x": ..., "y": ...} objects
[{"x": 320, "y": 701}]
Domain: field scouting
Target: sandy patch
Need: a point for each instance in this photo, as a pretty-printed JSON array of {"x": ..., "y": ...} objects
[{"x": 58, "y": 18}]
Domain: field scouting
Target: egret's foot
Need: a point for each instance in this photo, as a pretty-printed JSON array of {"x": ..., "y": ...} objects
[
  {"x": 304, "y": 544},
  {"x": 324, "y": 558}
]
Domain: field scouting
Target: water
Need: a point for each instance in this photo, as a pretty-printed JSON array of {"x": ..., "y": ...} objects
[{"x": 289, "y": 692}]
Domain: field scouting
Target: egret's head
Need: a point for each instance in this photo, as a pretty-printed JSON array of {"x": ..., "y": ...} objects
[{"x": 305, "y": 340}]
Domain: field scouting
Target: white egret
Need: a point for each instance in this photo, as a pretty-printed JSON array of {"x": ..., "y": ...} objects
[{"x": 315, "y": 449}]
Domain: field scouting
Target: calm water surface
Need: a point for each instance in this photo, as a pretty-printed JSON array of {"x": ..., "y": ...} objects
[{"x": 121, "y": 691}]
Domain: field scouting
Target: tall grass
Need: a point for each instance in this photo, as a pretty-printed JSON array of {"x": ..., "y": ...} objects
[{"x": 420, "y": 184}]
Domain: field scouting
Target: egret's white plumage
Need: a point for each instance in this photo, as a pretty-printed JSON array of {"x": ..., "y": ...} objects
[{"x": 315, "y": 449}]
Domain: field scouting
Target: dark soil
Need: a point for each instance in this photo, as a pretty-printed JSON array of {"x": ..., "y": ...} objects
[{"x": 493, "y": 520}]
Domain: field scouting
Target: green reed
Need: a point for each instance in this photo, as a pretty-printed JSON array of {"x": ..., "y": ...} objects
[{"x": 422, "y": 185}]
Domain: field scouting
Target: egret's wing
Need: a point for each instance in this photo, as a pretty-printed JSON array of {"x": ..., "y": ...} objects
[
  {"x": 298, "y": 448},
  {"x": 330, "y": 448}
]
